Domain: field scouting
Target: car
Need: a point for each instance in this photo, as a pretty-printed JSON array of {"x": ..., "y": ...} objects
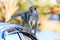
[{"x": 7, "y": 29}]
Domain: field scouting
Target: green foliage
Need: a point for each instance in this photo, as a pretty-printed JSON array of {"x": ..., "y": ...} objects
[{"x": 25, "y": 6}]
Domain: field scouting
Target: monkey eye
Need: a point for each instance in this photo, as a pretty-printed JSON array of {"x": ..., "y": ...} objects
[{"x": 35, "y": 8}]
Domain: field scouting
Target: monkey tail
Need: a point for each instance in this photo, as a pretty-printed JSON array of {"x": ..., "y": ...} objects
[{"x": 14, "y": 17}]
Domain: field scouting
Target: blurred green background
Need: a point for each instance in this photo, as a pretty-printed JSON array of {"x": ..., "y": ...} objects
[{"x": 9, "y": 8}]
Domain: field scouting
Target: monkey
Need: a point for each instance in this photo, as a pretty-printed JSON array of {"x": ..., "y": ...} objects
[{"x": 28, "y": 17}]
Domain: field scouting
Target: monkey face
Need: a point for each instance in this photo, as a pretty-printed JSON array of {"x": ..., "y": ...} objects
[{"x": 32, "y": 9}]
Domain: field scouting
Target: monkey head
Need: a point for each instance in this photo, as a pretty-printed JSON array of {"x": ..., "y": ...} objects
[{"x": 32, "y": 8}]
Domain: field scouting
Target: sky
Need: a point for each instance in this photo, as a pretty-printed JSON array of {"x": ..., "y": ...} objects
[{"x": 54, "y": 2}]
